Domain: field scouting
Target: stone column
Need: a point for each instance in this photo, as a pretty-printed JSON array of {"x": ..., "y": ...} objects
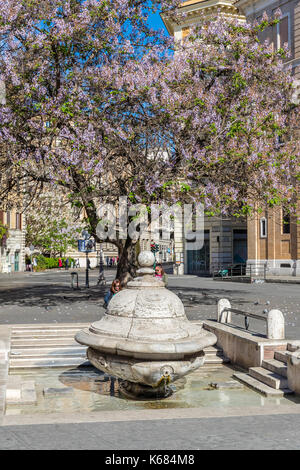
[
  {"x": 275, "y": 325},
  {"x": 224, "y": 316}
]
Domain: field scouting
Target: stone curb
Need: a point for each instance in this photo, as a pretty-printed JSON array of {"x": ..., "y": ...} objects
[{"x": 148, "y": 415}]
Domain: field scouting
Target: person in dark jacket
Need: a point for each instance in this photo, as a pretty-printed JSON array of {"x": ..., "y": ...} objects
[{"x": 115, "y": 288}]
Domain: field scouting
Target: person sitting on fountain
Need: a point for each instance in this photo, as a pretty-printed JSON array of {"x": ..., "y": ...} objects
[
  {"x": 160, "y": 274},
  {"x": 114, "y": 289}
]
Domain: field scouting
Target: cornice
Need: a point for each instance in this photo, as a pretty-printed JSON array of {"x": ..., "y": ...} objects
[{"x": 193, "y": 9}]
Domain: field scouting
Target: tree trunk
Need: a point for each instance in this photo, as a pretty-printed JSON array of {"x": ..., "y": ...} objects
[{"x": 127, "y": 265}]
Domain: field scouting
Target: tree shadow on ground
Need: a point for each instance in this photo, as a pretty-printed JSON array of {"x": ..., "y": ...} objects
[
  {"x": 50, "y": 296},
  {"x": 54, "y": 295},
  {"x": 191, "y": 296}
]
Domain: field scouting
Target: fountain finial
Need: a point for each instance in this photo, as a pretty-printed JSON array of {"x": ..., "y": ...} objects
[{"x": 146, "y": 259}]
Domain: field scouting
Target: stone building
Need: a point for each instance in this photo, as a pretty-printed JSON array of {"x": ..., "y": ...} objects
[
  {"x": 274, "y": 239},
  {"x": 12, "y": 247}
]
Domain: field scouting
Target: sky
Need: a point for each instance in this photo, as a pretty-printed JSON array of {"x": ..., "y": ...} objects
[{"x": 155, "y": 22}]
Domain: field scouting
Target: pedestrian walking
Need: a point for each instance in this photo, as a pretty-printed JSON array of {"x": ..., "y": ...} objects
[
  {"x": 67, "y": 264},
  {"x": 28, "y": 263},
  {"x": 60, "y": 263}
]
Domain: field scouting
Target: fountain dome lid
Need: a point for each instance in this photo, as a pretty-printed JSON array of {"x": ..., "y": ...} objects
[{"x": 146, "y": 296}]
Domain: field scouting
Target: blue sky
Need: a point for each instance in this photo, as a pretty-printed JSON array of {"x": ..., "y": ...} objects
[{"x": 156, "y": 23}]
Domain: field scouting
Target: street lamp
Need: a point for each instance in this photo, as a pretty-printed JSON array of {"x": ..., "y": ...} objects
[
  {"x": 89, "y": 244},
  {"x": 101, "y": 278}
]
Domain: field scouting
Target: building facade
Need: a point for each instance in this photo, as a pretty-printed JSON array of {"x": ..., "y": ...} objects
[
  {"x": 12, "y": 246},
  {"x": 274, "y": 236}
]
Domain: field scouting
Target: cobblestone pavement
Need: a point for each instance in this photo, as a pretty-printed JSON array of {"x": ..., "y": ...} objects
[{"x": 231, "y": 433}]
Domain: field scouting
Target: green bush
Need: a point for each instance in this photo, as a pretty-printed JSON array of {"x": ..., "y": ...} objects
[{"x": 50, "y": 263}]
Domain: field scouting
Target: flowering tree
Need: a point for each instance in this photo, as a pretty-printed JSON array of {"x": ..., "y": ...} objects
[
  {"x": 236, "y": 126},
  {"x": 96, "y": 103},
  {"x": 51, "y": 227}
]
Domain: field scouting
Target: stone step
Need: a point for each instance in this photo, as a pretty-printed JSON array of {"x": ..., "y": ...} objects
[
  {"x": 44, "y": 334},
  {"x": 276, "y": 366},
  {"x": 39, "y": 354},
  {"x": 207, "y": 367},
  {"x": 27, "y": 349},
  {"x": 260, "y": 387},
  {"x": 215, "y": 360},
  {"x": 42, "y": 337},
  {"x": 293, "y": 346},
  {"x": 211, "y": 349},
  {"x": 59, "y": 361},
  {"x": 280, "y": 356},
  {"x": 51, "y": 327},
  {"x": 42, "y": 342},
  {"x": 44, "y": 347},
  {"x": 269, "y": 378}
]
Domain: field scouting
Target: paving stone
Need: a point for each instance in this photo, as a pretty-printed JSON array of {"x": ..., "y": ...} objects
[{"x": 57, "y": 391}]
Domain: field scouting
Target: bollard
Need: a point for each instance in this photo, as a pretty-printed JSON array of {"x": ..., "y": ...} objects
[
  {"x": 224, "y": 316},
  {"x": 73, "y": 274},
  {"x": 275, "y": 325}
]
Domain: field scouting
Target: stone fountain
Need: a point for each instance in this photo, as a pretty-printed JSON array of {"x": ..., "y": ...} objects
[{"x": 145, "y": 337}]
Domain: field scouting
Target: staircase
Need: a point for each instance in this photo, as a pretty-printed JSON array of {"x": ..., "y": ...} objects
[
  {"x": 46, "y": 346},
  {"x": 54, "y": 346},
  {"x": 214, "y": 356},
  {"x": 271, "y": 378}
]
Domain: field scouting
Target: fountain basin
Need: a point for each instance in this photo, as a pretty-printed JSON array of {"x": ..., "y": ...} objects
[{"x": 150, "y": 373}]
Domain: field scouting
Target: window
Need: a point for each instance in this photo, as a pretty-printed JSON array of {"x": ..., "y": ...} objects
[
  {"x": 18, "y": 221},
  {"x": 263, "y": 227},
  {"x": 267, "y": 34},
  {"x": 8, "y": 219},
  {"x": 286, "y": 222},
  {"x": 283, "y": 32}
]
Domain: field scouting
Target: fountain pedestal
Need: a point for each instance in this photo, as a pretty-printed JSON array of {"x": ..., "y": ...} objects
[{"x": 145, "y": 337}]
